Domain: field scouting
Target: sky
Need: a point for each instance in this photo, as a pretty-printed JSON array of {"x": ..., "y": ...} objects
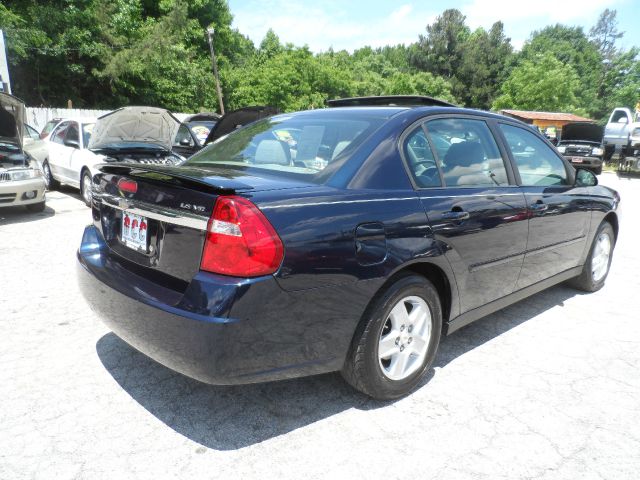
[{"x": 351, "y": 24}]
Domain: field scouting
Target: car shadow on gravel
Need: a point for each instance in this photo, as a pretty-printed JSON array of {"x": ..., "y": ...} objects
[
  {"x": 233, "y": 417},
  {"x": 494, "y": 325},
  {"x": 10, "y": 215}
]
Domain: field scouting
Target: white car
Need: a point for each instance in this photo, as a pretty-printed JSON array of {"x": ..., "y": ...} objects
[
  {"x": 21, "y": 181},
  {"x": 68, "y": 160},
  {"x": 135, "y": 134}
]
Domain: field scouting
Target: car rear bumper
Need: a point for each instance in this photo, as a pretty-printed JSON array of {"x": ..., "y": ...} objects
[
  {"x": 14, "y": 193},
  {"x": 221, "y": 330}
]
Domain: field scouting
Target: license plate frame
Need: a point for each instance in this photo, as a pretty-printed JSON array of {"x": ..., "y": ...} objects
[
  {"x": 576, "y": 160},
  {"x": 134, "y": 231}
]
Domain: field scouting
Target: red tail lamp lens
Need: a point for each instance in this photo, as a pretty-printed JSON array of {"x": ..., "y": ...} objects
[
  {"x": 240, "y": 240},
  {"x": 128, "y": 186}
]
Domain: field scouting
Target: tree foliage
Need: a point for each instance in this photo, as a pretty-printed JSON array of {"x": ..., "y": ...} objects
[
  {"x": 571, "y": 47},
  {"x": 107, "y": 54},
  {"x": 541, "y": 83},
  {"x": 483, "y": 66}
]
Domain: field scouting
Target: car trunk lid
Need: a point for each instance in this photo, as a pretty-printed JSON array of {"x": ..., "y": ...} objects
[{"x": 175, "y": 205}]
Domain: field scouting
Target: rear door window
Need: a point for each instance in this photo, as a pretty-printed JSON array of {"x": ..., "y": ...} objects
[
  {"x": 420, "y": 159},
  {"x": 73, "y": 132},
  {"x": 537, "y": 163},
  {"x": 60, "y": 133},
  {"x": 468, "y": 153}
]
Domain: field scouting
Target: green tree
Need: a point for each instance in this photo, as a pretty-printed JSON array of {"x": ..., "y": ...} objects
[
  {"x": 542, "y": 83},
  {"x": 605, "y": 34},
  {"x": 622, "y": 82},
  {"x": 571, "y": 47},
  {"x": 53, "y": 50},
  {"x": 618, "y": 82},
  {"x": 440, "y": 51},
  {"x": 286, "y": 77},
  {"x": 483, "y": 66}
]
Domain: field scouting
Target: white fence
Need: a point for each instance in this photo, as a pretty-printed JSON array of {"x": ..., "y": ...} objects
[{"x": 38, "y": 117}]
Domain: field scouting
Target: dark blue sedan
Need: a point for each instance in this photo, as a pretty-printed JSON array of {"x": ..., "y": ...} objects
[{"x": 343, "y": 239}]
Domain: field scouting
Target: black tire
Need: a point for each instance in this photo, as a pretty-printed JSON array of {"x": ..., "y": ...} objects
[
  {"x": 598, "y": 170},
  {"x": 36, "y": 207},
  {"x": 85, "y": 174},
  {"x": 50, "y": 182},
  {"x": 362, "y": 368},
  {"x": 585, "y": 281}
]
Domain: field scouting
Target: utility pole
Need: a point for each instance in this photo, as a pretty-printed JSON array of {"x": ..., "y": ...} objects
[{"x": 214, "y": 64}]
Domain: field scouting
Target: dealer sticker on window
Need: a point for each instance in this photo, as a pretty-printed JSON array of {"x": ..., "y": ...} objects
[{"x": 134, "y": 231}]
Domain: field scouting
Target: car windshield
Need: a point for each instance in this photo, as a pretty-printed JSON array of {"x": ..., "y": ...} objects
[
  {"x": 301, "y": 145},
  {"x": 201, "y": 130},
  {"x": 48, "y": 127}
]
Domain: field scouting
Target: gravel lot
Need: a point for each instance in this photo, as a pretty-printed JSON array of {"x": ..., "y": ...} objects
[{"x": 548, "y": 388}]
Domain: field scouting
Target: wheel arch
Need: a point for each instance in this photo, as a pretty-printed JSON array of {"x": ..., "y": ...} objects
[
  {"x": 440, "y": 280},
  {"x": 444, "y": 284},
  {"x": 612, "y": 218}
]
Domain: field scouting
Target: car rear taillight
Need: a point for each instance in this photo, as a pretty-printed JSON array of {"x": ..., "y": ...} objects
[
  {"x": 129, "y": 186},
  {"x": 240, "y": 240}
]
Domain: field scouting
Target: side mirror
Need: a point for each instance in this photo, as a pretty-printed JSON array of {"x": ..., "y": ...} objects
[
  {"x": 72, "y": 143},
  {"x": 585, "y": 178},
  {"x": 185, "y": 142},
  {"x": 622, "y": 120}
]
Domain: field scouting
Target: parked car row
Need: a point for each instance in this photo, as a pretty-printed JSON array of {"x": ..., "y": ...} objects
[
  {"x": 70, "y": 149},
  {"x": 341, "y": 239}
]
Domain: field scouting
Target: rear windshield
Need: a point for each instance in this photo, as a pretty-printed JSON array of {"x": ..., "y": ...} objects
[{"x": 301, "y": 146}]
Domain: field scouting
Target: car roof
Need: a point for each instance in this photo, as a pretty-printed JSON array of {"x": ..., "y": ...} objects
[
  {"x": 202, "y": 117},
  {"x": 378, "y": 112},
  {"x": 77, "y": 119},
  {"x": 390, "y": 100},
  {"x": 392, "y": 111}
]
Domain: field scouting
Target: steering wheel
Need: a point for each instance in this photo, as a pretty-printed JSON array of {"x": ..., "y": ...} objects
[{"x": 430, "y": 174}]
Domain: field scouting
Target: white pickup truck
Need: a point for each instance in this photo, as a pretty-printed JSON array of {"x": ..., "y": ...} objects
[{"x": 622, "y": 134}]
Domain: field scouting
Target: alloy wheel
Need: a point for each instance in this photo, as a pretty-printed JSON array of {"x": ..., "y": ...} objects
[
  {"x": 86, "y": 188},
  {"x": 405, "y": 337},
  {"x": 600, "y": 257}
]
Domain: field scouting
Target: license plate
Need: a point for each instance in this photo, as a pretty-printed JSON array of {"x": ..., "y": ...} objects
[
  {"x": 576, "y": 160},
  {"x": 134, "y": 231}
]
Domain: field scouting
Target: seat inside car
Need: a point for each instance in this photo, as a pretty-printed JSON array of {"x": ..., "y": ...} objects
[
  {"x": 462, "y": 161},
  {"x": 273, "y": 152},
  {"x": 339, "y": 148}
]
